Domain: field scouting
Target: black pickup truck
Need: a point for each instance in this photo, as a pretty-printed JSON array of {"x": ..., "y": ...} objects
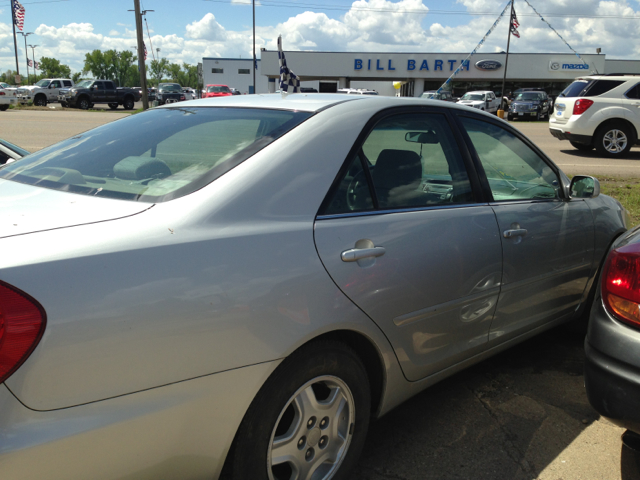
[
  {"x": 89, "y": 92},
  {"x": 169, "y": 93}
]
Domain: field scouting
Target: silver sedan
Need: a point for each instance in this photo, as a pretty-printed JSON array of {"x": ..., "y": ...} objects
[{"x": 243, "y": 282}]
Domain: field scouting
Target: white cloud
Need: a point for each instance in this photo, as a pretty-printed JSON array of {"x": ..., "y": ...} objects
[{"x": 370, "y": 25}]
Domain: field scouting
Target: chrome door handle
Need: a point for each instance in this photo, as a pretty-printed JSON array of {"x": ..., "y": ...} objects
[
  {"x": 516, "y": 232},
  {"x": 355, "y": 254}
]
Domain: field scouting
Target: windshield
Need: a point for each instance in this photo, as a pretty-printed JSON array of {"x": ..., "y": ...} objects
[
  {"x": 171, "y": 88},
  {"x": 4, "y": 85},
  {"x": 156, "y": 155},
  {"x": 531, "y": 97},
  {"x": 474, "y": 96},
  {"x": 43, "y": 83},
  {"x": 84, "y": 83},
  {"x": 218, "y": 89},
  {"x": 428, "y": 95}
]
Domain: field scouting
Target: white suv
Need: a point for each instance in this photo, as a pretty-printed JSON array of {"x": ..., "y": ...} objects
[{"x": 601, "y": 112}]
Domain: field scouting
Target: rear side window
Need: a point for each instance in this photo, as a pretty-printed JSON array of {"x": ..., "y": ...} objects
[
  {"x": 67, "y": 83},
  {"x": 154, "y": 156},
  {"x": 407, "y": 161},
  {"x": 590, "y": 88}
]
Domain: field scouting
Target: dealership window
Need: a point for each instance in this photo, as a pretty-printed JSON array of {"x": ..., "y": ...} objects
[
  {"x": 217, "y": 70},
  {"x": 244, "y": 71}
]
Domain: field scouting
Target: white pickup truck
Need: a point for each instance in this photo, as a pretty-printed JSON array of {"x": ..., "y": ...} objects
[
  {"x": 483, "y": 100},
  {"x": 43, "y": 92}
]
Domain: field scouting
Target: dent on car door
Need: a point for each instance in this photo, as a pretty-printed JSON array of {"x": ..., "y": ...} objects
[
  {"x": 402, "y": 237},
  {"x": 547, "y": 239}
]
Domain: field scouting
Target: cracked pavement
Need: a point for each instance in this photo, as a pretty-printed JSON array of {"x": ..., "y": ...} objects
[{"x": 520, "y": 415}]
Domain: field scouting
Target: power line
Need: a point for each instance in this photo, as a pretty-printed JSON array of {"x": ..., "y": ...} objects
[{"x": 330, "y": 7}]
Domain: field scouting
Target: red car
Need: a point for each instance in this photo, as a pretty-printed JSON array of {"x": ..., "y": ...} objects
[{"x": 217, "y": 91}]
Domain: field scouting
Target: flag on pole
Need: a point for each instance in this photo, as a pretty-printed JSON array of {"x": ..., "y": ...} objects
[
  {"x": 514, "y": 25},
  {"x": 36, "y": 65},
  {"x": 29, "y": 63},
  {"x": 289, "y": 81},
  {"x": 18, "y": 14},
  {"x": 145, "y": 51}
]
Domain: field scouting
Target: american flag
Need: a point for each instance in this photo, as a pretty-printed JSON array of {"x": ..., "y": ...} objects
[
  {"x": 29, "y": 63},
  {"x": 289, "y": 81},
  {"x": 514, "y": 25},
  {"x": 19, "y": 14},
  {"x": 37, "y": 65},
  {"x": 145, "y": 51}
]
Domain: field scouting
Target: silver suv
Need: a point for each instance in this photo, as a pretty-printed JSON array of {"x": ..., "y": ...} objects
[{"x": 601, "y": 112}]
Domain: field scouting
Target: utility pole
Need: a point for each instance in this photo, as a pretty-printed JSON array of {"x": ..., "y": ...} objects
[
  {"x": 33, "y": 55},
  {"x": 159, "y": 72},
  {"x": 506, "y": 62},
  {"x": 26, "y": 52},
  {"x": 15, "y": 42},
  {"x": 141, "y": 64}
]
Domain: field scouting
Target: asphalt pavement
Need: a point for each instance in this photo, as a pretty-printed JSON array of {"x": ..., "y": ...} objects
[{"x": 522, "y": 414}]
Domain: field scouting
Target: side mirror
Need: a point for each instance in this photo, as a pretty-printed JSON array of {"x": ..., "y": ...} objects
[{"x": 583, "y": 186}]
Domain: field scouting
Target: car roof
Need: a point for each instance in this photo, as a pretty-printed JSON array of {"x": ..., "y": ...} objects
[{"x": 308, "y": 102}]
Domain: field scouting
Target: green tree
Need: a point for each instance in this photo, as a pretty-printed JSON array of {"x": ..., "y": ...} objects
[
  {"x": 52, "y": 68},
  {"x": 173, "y": 69},
  {"x": 110, "y": 65},
  {"x": 157, "y": 70},
  {"x": 188, "y": 77},
  {"x": 76, "y": 77}
]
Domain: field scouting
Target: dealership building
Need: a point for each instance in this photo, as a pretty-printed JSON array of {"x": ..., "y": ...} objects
[{"x": 414, "y": 73}]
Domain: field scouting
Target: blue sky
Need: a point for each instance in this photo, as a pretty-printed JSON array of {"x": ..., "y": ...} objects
[{"x": 187, "y": 31}]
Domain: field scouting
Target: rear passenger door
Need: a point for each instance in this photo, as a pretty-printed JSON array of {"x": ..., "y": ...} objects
[
  {"x": 402, "y": 235},
  {"x": 110, "y": 94}
]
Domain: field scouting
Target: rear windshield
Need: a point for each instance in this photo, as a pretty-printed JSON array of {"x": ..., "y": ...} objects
[
  {"x": 156, "y": 155},
  {"x": 589, "y": 88}
]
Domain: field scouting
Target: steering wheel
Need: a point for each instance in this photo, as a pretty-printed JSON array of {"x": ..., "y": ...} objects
[{"x": 358, "y": 192}]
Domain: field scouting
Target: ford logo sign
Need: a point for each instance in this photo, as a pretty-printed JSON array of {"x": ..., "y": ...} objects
[{"x": 488, "y": 65}]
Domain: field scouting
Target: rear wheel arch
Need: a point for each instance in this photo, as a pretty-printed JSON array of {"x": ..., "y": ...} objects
[
  {"x": 365, "y": 350},
  {"x": 618, "y": 120}
]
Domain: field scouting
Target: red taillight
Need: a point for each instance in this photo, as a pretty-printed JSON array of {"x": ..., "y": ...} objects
[
  {"x": 621, "y": 283},
  {"x": 581, "y": 106},
  {"x": 22, "y": 322},
  {"x": 2, "y": 93}
]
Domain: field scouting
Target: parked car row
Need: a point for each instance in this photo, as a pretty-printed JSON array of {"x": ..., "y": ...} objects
[
  {"x": 317, "y": 260},
  {"x": 87, "y": 93}
]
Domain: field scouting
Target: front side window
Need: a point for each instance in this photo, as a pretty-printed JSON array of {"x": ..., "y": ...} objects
[
  {"x": 43, "y": 83},
  {"x": 514, "y": 171},
  {"x": 412, "y": 161},
  {"x": 156, "y": 155},
  {"x": 55, "y": 84}
]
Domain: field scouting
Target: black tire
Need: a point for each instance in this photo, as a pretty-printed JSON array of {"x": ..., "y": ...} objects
[
  {"x": 128, "y": 103},
  {"x": 64, "y": 104},
  {"x": 4, "y": 108},
  {"x": 113, "y": 106},
  {"x": 277, "y": 412},
  {"x": 614, "y": 140},
  {"x": 40, "y": 101},
  {"x": 83, "y": 103},
  {"x": 581, "y": 146}
]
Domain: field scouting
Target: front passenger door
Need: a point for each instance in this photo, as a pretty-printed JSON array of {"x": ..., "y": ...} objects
[
  {"x": 402, "y": 236},
  {"x": 547, "y": 239}
]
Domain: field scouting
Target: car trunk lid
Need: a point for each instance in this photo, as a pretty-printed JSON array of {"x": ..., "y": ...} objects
[{"x": 27, "y": 209}]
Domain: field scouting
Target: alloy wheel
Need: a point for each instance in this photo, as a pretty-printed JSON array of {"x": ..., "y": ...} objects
[
  {"x": 615, "y": 141},
  {"x": 312, "y": 434}
]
